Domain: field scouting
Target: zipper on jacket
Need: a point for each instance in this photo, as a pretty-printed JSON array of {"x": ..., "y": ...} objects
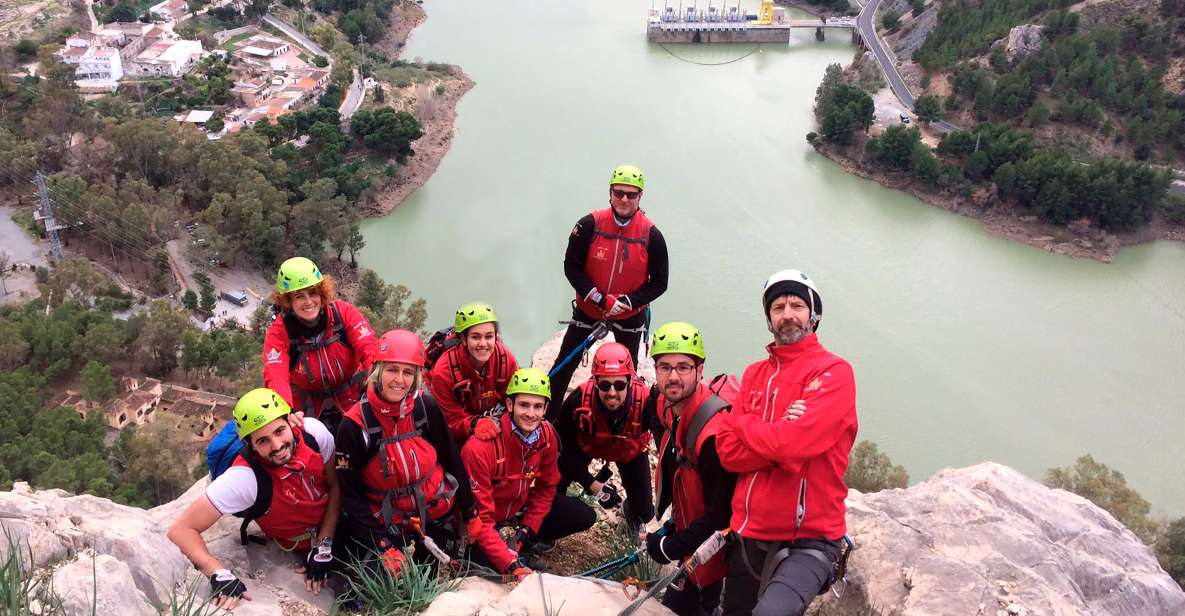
[
  {"x": 415, "y": 460},
  {"x": 614, "y": 266},
  {"x": 801, "y": 514},
  {"x": 764, "y": 412}
]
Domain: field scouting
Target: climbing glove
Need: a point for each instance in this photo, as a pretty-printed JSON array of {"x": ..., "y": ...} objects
[
  {"x": 484, "y": 428},
  {"x": 319, "y": 562},
  {"x": 223, "y": 583},
  {"x": 608, "y": 497}
]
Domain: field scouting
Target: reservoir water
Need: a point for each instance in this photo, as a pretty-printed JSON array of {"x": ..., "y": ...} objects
[{"x": 966, "y": 347}]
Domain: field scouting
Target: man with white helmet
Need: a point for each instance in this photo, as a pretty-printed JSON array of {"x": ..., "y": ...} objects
[{"x": 788, "y": 508}]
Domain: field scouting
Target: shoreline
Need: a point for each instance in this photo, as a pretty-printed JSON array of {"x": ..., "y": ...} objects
[
  {"x": 439, "y": 129},
  {"x": 1002, "y": 220}
]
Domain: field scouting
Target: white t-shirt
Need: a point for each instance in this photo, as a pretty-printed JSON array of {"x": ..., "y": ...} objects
[{"x": 235, "y": 489}]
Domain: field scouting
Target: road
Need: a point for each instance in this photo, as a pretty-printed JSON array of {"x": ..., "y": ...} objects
[
  {"x": 223, "y": 279},
  {"x": 354, "y": 96},
  {"x": 305, "y": 41},
  {"x": 866, "y": 26},
  {"x": 90, "y": 13}
]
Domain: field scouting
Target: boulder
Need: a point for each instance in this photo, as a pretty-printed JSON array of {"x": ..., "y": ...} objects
[
  {"x": 564, "y": 595},
  {"x": 979, "y": 540},
  {"x": 139, "y": 569},
  {"x": 1023, "y": 41},
  {"x": 103, "y": 582},
  {"x": 988, "y": 540}
]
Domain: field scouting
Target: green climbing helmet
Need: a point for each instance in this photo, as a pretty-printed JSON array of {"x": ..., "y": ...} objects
[
  {"x": 256, "y": 409},
  {"x": 297, "y": 273},
  {"x": 628, "y": 175},
  {"x": 677, "y": 337},
  {"x": 529, "y": 381},
  {"x": 474, "y": 313}
]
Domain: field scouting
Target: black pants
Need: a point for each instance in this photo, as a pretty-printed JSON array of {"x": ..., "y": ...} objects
[
  {"x": 568, "y": 516},
  {"x": 691, "y": 600},
  {"x": 576, "y": 334},
  {"x": 635, "y": 478},
  {"x": 792, "y": 586}
]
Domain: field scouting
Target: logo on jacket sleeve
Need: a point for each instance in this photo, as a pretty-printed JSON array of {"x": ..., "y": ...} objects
[
  {"x": 273, "y": 356},
  {"x": 363, "y": 330},
  {"x": 341, "y": 461}
]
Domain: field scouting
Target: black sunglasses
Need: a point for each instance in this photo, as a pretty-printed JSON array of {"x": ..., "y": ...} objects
[
  {"x": 616, "y": 385},
  {"x": 621, "y": 194}
]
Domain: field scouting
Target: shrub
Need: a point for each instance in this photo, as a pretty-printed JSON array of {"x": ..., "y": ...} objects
[
  {"x": 1107, "y": 488},
  {"x": 869, "y": 470}
]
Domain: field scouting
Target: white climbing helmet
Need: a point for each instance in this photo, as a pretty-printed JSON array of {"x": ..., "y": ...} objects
[{"x": 793, "y": 282}]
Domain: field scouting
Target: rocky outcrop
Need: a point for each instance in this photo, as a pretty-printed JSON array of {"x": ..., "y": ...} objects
[
  {"x": 562, "y": 595},
  {"x": 988, "y": 540},
  {"x": 980, "y": 540},
  {"x": 138, "y": 569},
  {"x": 1022, "y": 41}
]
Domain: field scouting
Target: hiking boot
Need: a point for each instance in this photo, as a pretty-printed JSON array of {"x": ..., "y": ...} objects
[{"x": 542, "y": 547}]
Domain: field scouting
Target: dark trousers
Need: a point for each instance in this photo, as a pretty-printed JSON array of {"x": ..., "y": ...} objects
[
  {"x": 575, "y": 335},
  {"x": 792, "y": 586},
  {"x": 691, "y": 600},
  {"x": 635, "y": 478},
  {"x": 568, "y": 516}
]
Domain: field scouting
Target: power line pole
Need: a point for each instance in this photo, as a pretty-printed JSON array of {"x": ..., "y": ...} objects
[{"x": 51, "y": 226}]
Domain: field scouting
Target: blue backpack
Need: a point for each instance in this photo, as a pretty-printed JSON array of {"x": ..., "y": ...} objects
[{"x": 223, "y": 449}]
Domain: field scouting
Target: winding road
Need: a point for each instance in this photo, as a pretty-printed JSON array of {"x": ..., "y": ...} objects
[{"x": 866, "y": 26}]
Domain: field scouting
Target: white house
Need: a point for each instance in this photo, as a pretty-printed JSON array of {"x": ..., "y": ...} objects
[
  {"x": 170, "y": 10},
  {"x": 90, "y": 63},
  {"x": 166, "y": 58}
]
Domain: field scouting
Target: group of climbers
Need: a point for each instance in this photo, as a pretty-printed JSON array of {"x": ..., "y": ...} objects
[{"x": 359, "y": 447}]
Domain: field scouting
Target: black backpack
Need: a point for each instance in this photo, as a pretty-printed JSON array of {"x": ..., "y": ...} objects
[
  {"x": 263, "y": 493},
  {"x": 440, "y": 341}
]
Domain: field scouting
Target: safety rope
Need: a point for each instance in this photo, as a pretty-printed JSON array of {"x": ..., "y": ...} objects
[{"x": 676, "y": 56}]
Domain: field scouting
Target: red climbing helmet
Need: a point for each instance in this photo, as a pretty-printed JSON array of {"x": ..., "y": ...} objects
[
  {"x": 612, "y": 359},
  {"x": 400, "y": 345}
]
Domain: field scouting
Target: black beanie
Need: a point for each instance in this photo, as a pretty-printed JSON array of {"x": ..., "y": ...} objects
[{"x": 796, "y": 288}]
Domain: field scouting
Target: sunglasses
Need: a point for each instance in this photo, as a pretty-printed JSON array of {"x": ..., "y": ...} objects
[
  {"x": 615, "y": 385},
  {"x": 621, "y": 194}
]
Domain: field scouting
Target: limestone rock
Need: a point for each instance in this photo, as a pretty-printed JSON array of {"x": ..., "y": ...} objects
[
  {"x": 989, "y": 536},
  {"x": 587, "y": 597},
  {"x": 1023, "y": 41},
  {"x": 114, "y": 593},
  {"x": 138, "y": 565}
]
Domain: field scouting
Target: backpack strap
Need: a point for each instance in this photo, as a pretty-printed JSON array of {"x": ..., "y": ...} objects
[
  {"x": 705, "y": 411},
  {"x": 263, "y": 499},
  {"x": 263, "y": 489},
  {"x": 499, "y": 458}
]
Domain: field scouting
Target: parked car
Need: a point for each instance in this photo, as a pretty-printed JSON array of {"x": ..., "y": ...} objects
[{"x": 237, "y": 298}]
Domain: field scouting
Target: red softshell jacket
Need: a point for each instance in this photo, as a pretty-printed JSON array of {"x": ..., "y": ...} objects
[
  {"x": 484, "y": 393},
  {"x": 331, "y": 366},
  {"x": 618, "y": 260},
  {"x": 509, "y": 476},
  {"x": 790, "y": 484}
]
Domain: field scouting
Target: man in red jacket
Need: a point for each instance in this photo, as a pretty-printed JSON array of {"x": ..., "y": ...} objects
[
  {"x": 616, "y": 261},
  {"x": 514, "y": 476},
  {"x": 788, "y": 508}
]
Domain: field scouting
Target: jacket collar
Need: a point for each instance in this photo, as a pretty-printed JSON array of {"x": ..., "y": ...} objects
[{"x": 790, "y": 352}]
